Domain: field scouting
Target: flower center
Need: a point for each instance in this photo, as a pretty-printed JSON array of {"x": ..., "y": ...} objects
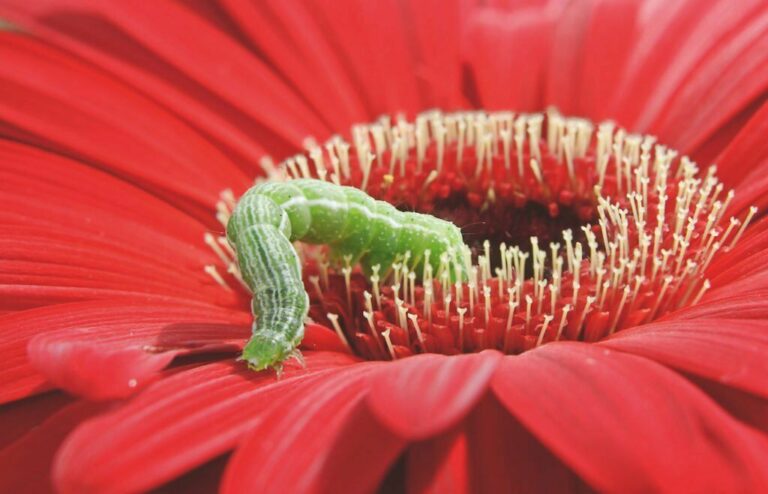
[{"x": 575, "y": 232}]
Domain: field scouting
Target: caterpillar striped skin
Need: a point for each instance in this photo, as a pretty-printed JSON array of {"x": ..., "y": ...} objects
[{"x": 271, "y": 215}]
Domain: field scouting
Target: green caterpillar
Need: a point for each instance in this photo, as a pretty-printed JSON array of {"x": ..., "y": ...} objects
[{"x": 271, "y": 215}]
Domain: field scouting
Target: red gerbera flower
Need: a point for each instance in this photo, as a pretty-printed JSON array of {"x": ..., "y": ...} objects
[{"x": 122, "y": 123}]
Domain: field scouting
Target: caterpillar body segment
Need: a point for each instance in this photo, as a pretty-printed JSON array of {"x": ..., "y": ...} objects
[
  {"x": 359, "y": 230},
  {"x": 279, "y": 297},
  {"x": 355, "y": 226}
]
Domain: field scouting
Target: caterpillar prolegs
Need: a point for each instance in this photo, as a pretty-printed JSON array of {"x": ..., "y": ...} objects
[{"x": 271, "y": 215}]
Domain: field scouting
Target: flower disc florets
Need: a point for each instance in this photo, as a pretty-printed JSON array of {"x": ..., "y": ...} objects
[{"x": 575, "y": 232}]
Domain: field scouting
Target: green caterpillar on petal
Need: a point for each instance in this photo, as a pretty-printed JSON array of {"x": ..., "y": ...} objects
[{"x": 272, "y": 215}]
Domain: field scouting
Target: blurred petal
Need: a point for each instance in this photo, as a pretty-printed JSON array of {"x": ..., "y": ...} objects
[
  {"x": 505, "y": 457},
  {"x": 323, "y": 426},
  {"x": 588, "y": 403},
  {"x": 44, "y": 178},
  {"x": 114, "y": 324},
  {"x": 252, "y": 97},
  {"x": 202, "y": 480},
  {"x": 746, "y": 152},
  {"x": 70, "y": 225},
  {"x": 720, "y": 69},
  {"x": 656, "y": 67},
  {"x": 21, "y": 416},
  {"x": 378, "y": 54},
  {"x": 294, "y": 41},
  {"x": 748, "y": 408},
  {"x": 118, "y": 54},
  {"x": 95, "y": 115},
  {"x": 507, "y": 53},
  {"x": 436, "y": 26},
  {"x": 188, "y": 42},
  {"x": 672, "y": 53},
  {"x": 95, "y": 372},
  {"x": 25, "y": 465},
  {"x": 562, "y": 89},
  {"x": 318, "y": 337},
  {"x": 424, "y": 395},
  {"x": 743, "y": 164},
  {"x": 439, "y": 465},
  {"x": 741, "y": 270},
  {"x": 176, "y": 424},
  {"x": 752, "y": 305},
  {"x": 611, "y": 32},
  {"x": 727, "y": 351}
]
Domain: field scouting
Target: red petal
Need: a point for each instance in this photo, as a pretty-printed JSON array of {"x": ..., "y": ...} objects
[
  {"x": 20, "y": 417},
  {"x": 271, "y": 112},
  {"x": 143, "y": 70},
  {"x": 748, "y": 408},
  {"x": 25, "y": 466},
  {"x": 719, "y": 72},
  {"x": 186, "y": 41},
  {"x": 438, "y": 465},
  {"x": 744, "y": 162},
  {"x": 505, "y": 457},
  {"x": 746, "y": 285},
  {"x": 746, "y": 151},
  {"x": 379, "y": 54},
  {"x": 116, "y": 324},
  {"x": 319, "y": 437},
  {"x": 294, "y": 40},
  {"x": 741, "y": 271},
  {"x": 570, "y": 31},
  {"x": 675, "y": 48},
  {"x": 753, "y": 305},
  {"x": 507, "y": 53},
  {"x": 201, "y": 480},
  {"x": 439, "y": 64},
  {"x": 41, "y": 177},
  {"x": 650, "y": 65},
  {"x": 94, "y": 115},
  {"x": 733, "y": 263},
  {"x": 318, "y": 337},
  {"x": 728, "y": 351},
  {"x": 64, "y": 217},
  {"x": 79, "y": 361},
  {"x": 424, "y": 395},
  {"x": 612, "y": 30},
  {"x": 96, "y": 372},
  {"x": 619, "y": 420},
  {"x": 45, "y": 267},
  {"x": 708, "y": 150},
  {"x": 175, "y": 425}
]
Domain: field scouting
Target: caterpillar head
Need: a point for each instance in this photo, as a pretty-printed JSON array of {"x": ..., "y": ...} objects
[{"x": 267, "y": 350}]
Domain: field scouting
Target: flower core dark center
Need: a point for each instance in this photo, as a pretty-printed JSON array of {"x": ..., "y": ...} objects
[{"x": 511, "y": 223}]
